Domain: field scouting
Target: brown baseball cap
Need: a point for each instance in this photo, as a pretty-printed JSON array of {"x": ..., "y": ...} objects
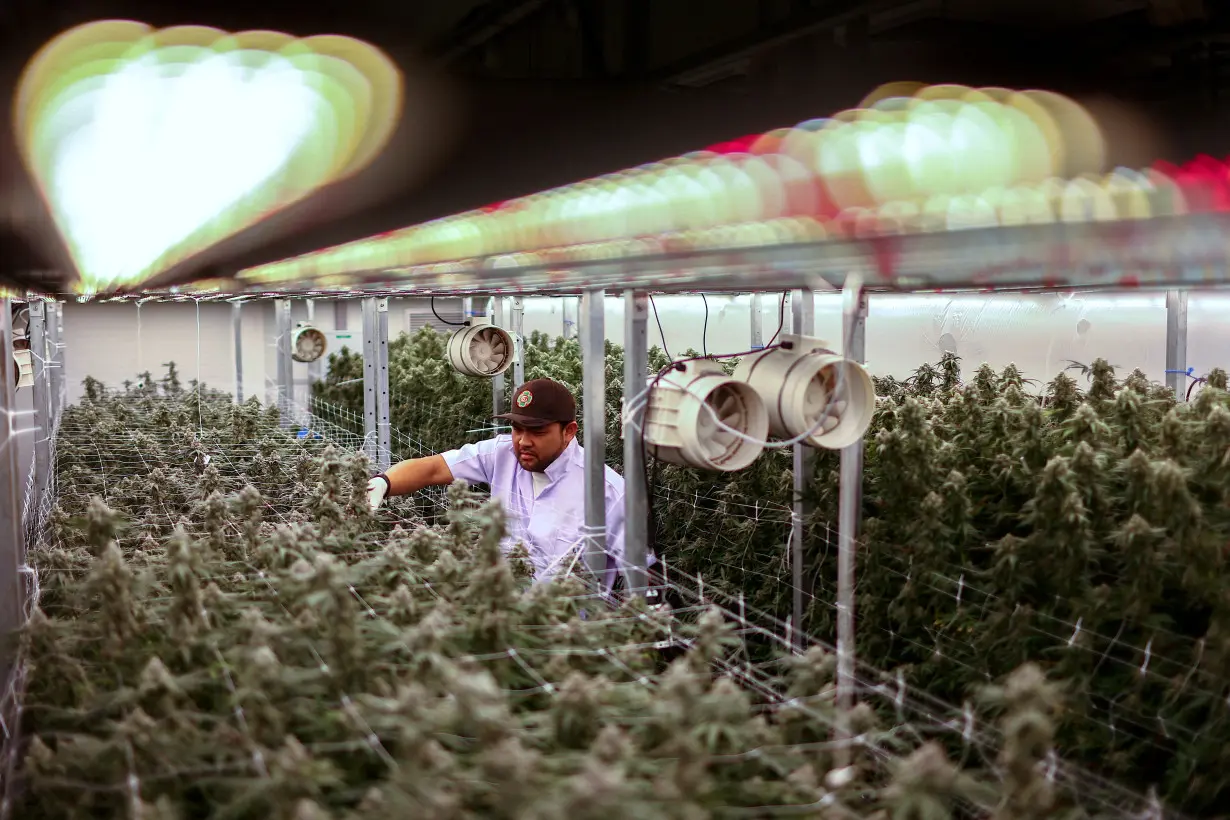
[{"x": 540, "y": 402}]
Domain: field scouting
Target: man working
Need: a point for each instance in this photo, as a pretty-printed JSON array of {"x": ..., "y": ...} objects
[{"x": 537, "y": 472}]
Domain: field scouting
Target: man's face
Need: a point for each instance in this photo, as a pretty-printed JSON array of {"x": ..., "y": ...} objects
[{"x": 538, "y": 447}]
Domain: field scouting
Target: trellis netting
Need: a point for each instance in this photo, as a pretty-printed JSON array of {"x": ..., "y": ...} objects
[
  {"x": 224, "y": 628},
  {"x": 1079, "y": 523}
]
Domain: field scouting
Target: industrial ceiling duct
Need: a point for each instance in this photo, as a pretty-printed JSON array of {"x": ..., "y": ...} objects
[
  {"x": 682, "y": 418},
  {"x": 481, "y": 348},
  {"x": 805, "y": 386}
]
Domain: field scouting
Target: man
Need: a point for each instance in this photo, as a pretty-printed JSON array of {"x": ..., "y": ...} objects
[{"x": 537, "y": 472}]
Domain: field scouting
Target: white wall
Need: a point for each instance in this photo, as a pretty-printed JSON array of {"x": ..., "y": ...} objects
[{"x": 1037, "y": 332}]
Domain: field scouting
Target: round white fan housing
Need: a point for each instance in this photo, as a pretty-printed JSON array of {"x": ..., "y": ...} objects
[
  {"x": 23, "y": 368},
  {"x": 689, "y": 413},
  {"x": 481, "y": 349},
  {"x": 307, "y": 344},
  {"x": 806, "y": 386}
]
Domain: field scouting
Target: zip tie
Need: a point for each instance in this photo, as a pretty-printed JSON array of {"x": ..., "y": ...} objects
[
  {"x": 967, "y": 733},
  {"x": 960, "y": 589},
  {"x": 1072, "y": 640},
  {"x": 1144, "y": 667},
  {"x": 899, "y": 698},
  {"x": 1052, "y": 764}
]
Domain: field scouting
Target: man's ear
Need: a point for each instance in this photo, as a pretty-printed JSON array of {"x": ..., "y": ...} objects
[{"x": 570, "y": 430}]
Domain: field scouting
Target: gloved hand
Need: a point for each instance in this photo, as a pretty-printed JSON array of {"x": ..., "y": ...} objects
[{"x": 377, "y": 489}]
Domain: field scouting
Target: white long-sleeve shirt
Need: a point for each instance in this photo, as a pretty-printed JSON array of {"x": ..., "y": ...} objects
[{"x": 545, "y": 511}]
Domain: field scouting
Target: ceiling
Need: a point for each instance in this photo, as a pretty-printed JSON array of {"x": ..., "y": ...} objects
[{"x": 507, "y": 97}]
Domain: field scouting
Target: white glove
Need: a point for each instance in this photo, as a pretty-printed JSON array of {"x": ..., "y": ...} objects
[{"x": 377, "y": 489}]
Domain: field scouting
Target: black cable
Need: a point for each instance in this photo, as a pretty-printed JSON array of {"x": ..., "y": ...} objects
[
  {"x": 781, "y": 319},
  {"x": 661, "y": 332},
  {"x": 704, "y": 333},
  {"x": 441, "y": 319},
  {"x": 1192, "y": 387}
]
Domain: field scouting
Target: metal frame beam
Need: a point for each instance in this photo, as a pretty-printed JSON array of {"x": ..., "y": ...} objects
[
  {"x": 518, "y": 332},
  {"x": 802, "y": 322},
  {"x": 1176, "y": 342},
  {"x": 497, "y": 381},
  {"x": 285, "y": 364},
  {"x": 314, "y": 369},
  {"x": 12, "y": 532},
  {"x": 237, "y": 333},
  {"x": 849, "y": 514},
  {"x": 44, "y": 412},
  {"x": 636, "y": 480},
  {"x": 593, "y": 357},
  {"x": 376, "y": 427}
]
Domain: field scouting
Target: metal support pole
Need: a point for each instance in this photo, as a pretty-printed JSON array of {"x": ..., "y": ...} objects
[
  {"x": 803, "y": 320},
  {"x": 55, "y": 324},
  {"x": 43, "y": 412},
  {"x": 757, "y": 323},
  {"x": 1176, "y": 342},
  {"x": 12, "y": 534},
  {"x": 569, "y": 312},
  {"x": 518, "y": 331},
  {"x": 341, "y": 308},
  {"x": 376, "y": 428},
  {"x": 593, "y": 359},
  {"x": 636, "y": 480},
  {"x": 849, "y": 513},
  {"x": 314, "y": 368},
  {"x": 237, "y": 330},
  {"x": 497, "y": 382},
  {"x": 285, "y": 368}
]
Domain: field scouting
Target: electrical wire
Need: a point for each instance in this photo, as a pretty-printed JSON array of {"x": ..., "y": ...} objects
[
  {"x": 704, "y": 333},
  {"x": 781, "y": 318},
  {"x": 661, "y": 332},
  {"x": 441, "y": 319}
]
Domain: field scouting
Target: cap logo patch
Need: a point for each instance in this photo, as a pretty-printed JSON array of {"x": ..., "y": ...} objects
[{"x": 525, "y": 398}]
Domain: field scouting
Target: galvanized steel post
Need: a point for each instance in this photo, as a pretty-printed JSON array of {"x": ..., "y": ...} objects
[
  {"x": 36, "y": 334},
  {"x": 285, "y": 364},
  {"x": 849, "y": 514},
  {"x": 497, "y": 382},
  {"x": 314, "y": 368},
  {"x": 593, "y": 357},
  {"x": 757, "y": 323},
  {"x": 636, "y": 480},
  {"x": 376, "y": 427},
  {"x": 803, "y": 320},
  {"x": 12, "y": 533},
  {"x": 1176, "y": 342},
  {"x": 237, "y": 333},
  {"x": 518, "y": 332}
]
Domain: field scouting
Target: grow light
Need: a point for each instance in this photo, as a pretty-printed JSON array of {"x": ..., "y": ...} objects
[
  {"x": 913, "y": 159},
  {"x": 151, "y": 145}
]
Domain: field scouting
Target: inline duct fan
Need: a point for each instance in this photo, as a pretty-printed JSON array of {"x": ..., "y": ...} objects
[
  {"x": 806, "y": 386},
  {"x": 692, "y": 411},
  {"x": 23, "y": 367},
  {"x": 481, "y": 349},
  {"x": 307, "y": 344}
]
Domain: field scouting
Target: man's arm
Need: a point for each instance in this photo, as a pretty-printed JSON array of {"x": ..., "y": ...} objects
[
  {"x": 471, "y": 463},
  {"x": 414, "y": 474}
]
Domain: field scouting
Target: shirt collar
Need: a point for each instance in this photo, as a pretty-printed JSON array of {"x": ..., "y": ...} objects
[{"x": 558, "y": 468}]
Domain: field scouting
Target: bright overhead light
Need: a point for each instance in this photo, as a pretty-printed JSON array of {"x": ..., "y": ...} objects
[{"x": 151, "y": 145}]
